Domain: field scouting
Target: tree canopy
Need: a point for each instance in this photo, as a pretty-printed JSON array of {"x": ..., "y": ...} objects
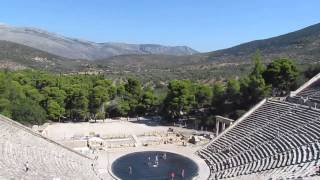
[
  {"x": 33, "y": 97},
  {"x": 282, "y": 74}
]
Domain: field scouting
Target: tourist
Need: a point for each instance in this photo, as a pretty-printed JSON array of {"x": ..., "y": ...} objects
[
  {"x": 157, "y": 160},
  {"x": 26, "y": 166},
  {"x": 318, "y": 170},
  {"x": 182, "y": 173},
  {"x": 149, "y": 161},
  {"x": 164, "y": 156},
  {"x": 130, "y": 170},
  {"x": 172, "y": 175}
]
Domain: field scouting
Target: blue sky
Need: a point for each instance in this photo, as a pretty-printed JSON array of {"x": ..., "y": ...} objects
[{"x": 204, "y": 25}]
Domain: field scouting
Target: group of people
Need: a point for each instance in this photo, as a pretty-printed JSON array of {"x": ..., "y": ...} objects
[
  {"x": 173, "y": 175},
  {"x": 156, "y": 163}
]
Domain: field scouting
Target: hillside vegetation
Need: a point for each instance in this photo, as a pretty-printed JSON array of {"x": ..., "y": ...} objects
[
  {"x": 33, "y": 97},
  {"x": 302, "y": 46},
  {"x": 17, "y": 56}
]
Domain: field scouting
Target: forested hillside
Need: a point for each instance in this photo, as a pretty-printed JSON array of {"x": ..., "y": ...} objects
[
  {"x": 33, "y": 97},
  {"x": 302, "y": 45}
]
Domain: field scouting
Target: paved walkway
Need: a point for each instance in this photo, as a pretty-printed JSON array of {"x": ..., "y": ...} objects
[{"x": 109, "y": 128}]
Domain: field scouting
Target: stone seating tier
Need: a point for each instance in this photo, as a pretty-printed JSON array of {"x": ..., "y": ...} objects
[
  {"x": 46, "y": 159},
  {"x": 278, "y": 140}
]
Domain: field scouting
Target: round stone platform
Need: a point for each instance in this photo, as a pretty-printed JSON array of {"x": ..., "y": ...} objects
[{"x": 154, "y": 165}]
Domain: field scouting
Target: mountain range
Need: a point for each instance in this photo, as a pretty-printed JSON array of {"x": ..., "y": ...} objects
[
  {"x": 31, "y": 47},
  {"x": 80, "y": 49},
  {"x": 302, "y": 46}
]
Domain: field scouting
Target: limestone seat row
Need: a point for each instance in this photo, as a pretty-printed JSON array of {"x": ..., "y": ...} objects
[
  {"x": 19, "y": 147},
  {"x": 280, "y": 140}
]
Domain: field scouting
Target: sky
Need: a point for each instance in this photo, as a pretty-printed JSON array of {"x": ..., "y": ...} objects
[{"x": 204, "y": 25}]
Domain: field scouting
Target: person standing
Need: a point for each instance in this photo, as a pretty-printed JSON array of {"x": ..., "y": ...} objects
[
  {"x": 164, "y": 156},
  {"x": 157, "y": 160},
  {"x": 182, "y": 173},
  {"x": 130, "y": 170},
  {"x": 149, "y": 161},
  {"x": 173, "y": 175},
  {"x": 26, "y": 166}
]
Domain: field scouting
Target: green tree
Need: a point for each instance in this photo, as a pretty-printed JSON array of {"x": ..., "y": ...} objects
[
  {"x": 54, "y": 102},
  {"x": 232, "y": 95},
  {"x": 5, "y": 107},
  {"x": 233, "y": 90},
  {"x": 97, "y": 97},
  {"x": 43, "y": 80},
  {"x": 28, "y": 111},
  {"x": 54, "y": 110},
  {"x": 120, "y": 90},
  {"x": 282, "y": 75},
  {"x": 119, "y": 109},
  {"x": 203, "y": 95},
  {"x": 76, "y": 102},
  {"x": 253, "y": 88},
  {"x": 218, "y": 98},
  {"x": 33, "y": 93},
  {"x": 15, "y": 91},
  {"x": 56, "y": 94},
  {"x": 179, "y": 99},
  {"x": 148, "y": 101},
  {"x": 258, "y": 68},
  {"x": 133, "y": 92},
  {"x": 133, "y": 87},
  {"x": 252, "y": 91}
]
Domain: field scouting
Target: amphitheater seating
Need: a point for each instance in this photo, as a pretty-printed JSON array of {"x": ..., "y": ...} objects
[
  {"x": 46, "y": 159},
  {"x": 311, "y": 93},
  {"x": 278, "y": 140}
]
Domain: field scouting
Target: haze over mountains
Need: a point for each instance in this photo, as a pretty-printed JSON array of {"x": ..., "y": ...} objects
[{"x": 80, "y": 49}]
